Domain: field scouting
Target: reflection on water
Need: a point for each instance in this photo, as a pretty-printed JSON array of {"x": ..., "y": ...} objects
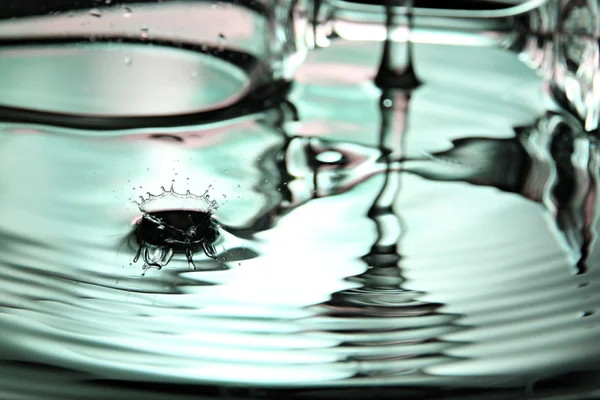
[
  {"x": 553, "y": 163},
  {"x": 458, "y": 254}
]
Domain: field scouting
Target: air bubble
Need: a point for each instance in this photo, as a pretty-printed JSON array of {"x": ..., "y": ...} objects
[{"x": 330, "y": 157}]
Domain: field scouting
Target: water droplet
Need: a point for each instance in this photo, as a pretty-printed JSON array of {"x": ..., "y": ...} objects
[
  {"x": 94, "y": 12},
  {"x": 127, "y": 12},
  {"x": 226, "y": 171},
  {"x": 108, "y": 1},
  {"x": 144, "y": 32},
  {"x": 221, "y": 40},
  {"x": 387, "y": 103},
  {"x": 239, "y": 186},
  {"x": 586, "y": 313},
  {"x": 266, "y": 181},
  {"x": 224, "y": 196},
  {"x": 127, "y": 60}
]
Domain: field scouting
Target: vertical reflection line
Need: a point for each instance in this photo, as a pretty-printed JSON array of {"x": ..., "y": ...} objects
[
  {"x": 381, "y": 296},
  {"x": 396, "y": 70},
  {"x": 394, "y": 109},
  {"x": 590, "y": 208},
  {"x": 397, "y": 80}
]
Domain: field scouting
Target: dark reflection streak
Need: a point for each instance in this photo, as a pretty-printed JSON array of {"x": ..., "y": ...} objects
[
  {"x": 381, "y": 294},
  {"x": 258, "y": 98},
  {"x": 590, "y": 212},
  {"x": 273, "y": 177},
  {"x": 553, "y": 163}
]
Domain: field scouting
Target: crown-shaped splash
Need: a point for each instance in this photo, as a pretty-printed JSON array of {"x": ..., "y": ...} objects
[{"x": 171, "y": 200}]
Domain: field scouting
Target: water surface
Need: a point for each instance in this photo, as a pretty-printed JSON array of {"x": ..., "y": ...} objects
[{"x": 458, "y": 254}]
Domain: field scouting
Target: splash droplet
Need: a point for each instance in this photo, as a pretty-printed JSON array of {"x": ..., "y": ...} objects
[{"x": 173, "y": 222}]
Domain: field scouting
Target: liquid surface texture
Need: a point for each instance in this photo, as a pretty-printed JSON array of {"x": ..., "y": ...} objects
[{"x": 460, "y": 253}]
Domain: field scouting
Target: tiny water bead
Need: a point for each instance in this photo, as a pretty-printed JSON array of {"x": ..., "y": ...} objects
[
  {"x": 175, "y": 223},
  {"x": 221, "y": 40},
  {"x": 94, "y": 12},
  {"x": 127, "y": 12}
]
